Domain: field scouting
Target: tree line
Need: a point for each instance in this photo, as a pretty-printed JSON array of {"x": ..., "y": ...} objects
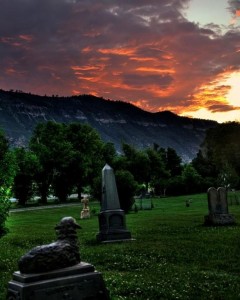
[{"x": 61, "y": 159}]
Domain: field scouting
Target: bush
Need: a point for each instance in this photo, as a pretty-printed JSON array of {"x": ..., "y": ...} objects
[
  {"x": 7, "y": 172},
  {"x": 4, "y": 209},
  {"x": 126, "y": 186}
]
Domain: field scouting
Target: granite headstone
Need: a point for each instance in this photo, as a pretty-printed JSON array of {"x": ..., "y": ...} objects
[
  {"x": 112, "y": 221},
  {"x": 218, "y": 208}
]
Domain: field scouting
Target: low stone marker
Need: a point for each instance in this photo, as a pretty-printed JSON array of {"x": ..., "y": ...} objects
[
  {"x": 85, "y": 213},
  {"x": 55, "y": 271},
  {"x": 218, "y": 208},
  {"x": 112, "y": 223}
]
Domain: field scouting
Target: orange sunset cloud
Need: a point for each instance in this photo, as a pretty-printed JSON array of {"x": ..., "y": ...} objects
[{"x": 152, "y": 55}]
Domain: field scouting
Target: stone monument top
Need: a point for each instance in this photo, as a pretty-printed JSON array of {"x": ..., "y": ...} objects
[
  {"x": 110, "y": 200},
  {"x": 54, "y": 271}
]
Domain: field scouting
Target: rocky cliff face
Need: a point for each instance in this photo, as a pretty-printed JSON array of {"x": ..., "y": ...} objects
[{"x": 115, "y": 121}]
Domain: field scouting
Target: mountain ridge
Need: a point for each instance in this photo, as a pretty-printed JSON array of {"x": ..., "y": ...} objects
[{"x": 116, "y": 121}]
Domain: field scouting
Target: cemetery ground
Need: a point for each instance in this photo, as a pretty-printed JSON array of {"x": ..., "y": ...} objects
[{"x": 173, "y": 257}]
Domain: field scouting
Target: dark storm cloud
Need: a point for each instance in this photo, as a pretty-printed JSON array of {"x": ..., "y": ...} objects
[
  {"x": 142, "y": 80},
  {"x": 142, "y": 51},
  {"x": 222, "y": 108}
]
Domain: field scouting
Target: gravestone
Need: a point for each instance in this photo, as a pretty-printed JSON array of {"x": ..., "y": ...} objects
[
  {"x": 112, "y": 222},
  {"x": 218, "y": 208},
  {"x": 54, "y": 271},
  {"x": 85, "y": 213}
]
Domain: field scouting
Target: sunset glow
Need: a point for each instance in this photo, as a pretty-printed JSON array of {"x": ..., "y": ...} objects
[
  {"x": 220, "y": 100},
  {"x": 178, "y": 55}
]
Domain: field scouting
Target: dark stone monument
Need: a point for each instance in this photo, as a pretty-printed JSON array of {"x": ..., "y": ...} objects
[
  {"x": 112, "y": 223},
  {"x": 218, "y": 208},
  {"x": 54, "y": 271}
]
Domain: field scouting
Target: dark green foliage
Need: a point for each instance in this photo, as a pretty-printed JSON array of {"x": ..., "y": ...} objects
[
  {"x": 52, "y": 150},
  {"x": 221, "y": 154},
  {"x": 126, "y": 186},
  {"x": 96, "y": 188},
  {"x": 61, "y": 186},
  {"x": 69, "y": 155},
  {"x": 158, "y": 175},
  {"x": 175, "y": 186},
  {"x": 146, "y": 166},
  {"x": 173, "y": 162},
  {"x": 87, "y": 158},
  {"x": 157, "y": 167},
  {"x": 191, "y": 179},
  {"x": 7, "y": 172},
  {"x": 137, "y": 163},
  {"x": 27, "y": 166},
  {"x": 207, "y": 169},
  {"x": 109, "y": 153}
]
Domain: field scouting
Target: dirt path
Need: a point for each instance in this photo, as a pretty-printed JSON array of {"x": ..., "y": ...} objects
[{"x": 15, "y": 210}]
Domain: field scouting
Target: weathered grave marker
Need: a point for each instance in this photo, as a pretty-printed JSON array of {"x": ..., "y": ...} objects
[
  {"x": 85, "y": 213},
  {"x": 218, "y": 208}
]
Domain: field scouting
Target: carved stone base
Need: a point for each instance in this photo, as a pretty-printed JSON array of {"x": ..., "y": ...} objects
[
  {"x": 219, "y": 220},
  {"x": 112, "y": 226},
  {"x": 85, "y": 213},
  {"x": 81, "y": 282},
  {"x": 114, "y": 236}
]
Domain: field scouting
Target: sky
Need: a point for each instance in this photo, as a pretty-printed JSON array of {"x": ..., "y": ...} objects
[{"x": 177, "y": 55}]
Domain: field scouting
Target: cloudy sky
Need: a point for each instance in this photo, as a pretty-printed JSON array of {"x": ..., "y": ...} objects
[{"x": 178, "y": 55}]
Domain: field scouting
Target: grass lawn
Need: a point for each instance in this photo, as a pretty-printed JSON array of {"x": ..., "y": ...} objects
[{"x": 173, "y": 257}]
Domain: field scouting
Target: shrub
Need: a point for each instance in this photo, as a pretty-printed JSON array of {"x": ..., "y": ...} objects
[
  {"x": 4, "y": 209},
  {"x": 127, "y": 187},
  {"x": 7, "y": 172}
]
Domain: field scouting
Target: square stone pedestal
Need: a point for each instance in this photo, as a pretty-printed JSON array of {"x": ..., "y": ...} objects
[
  {"x": 80, "y": 282},
  {"x": 219, "y": 220},
  {"x": 112, "y": 225}
]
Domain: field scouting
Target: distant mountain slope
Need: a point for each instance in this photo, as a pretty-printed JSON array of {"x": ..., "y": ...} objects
[{"x": 115, "y": 121}]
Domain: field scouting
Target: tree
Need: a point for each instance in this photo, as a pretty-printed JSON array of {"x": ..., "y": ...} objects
[
  {"x": 61, "y": 185},
  {"x": 207, "y": 169},
  {"x": 176, "y": 186},
  {"x": 27, "y": 164},
  {"x": 191, "y": 179},
  {"x": 158, "y": 175},
  {"x": 7, "y": 172},
  {"x": 126, "y": 186},
  {"x": 110, "y": 157},
  {"x": 228, "y": 177},
  {"x": 204, "y": 165},
  {"x": 173, "y": 162},
  {"x": 221, "y": 147},
  {"x": 53, "y": 151},
  {"x": 69, "y": 154},
  {"x": 87, "y": 158},
  {"x": 137, "y": 163},
  {"x": 109, "y": 153}
]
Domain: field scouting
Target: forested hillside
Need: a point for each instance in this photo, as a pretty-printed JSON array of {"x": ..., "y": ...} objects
[{"x": 116, "y": 121}]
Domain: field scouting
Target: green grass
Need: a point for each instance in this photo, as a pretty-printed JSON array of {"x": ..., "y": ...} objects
[{"x": 173, "y": 257}]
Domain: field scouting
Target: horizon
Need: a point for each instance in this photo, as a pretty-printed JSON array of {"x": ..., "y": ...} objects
[{"x": 179, "y": 55}]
